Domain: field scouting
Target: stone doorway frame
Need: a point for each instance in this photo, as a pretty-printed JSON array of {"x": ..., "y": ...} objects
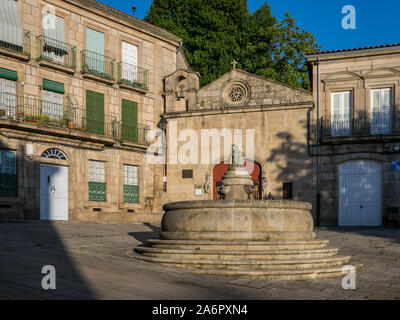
[{"x": 256, "y": 159}]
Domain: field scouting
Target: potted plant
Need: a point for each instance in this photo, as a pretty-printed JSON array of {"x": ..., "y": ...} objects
[
  {"x": 20, "y": 115},
  {"x": 43, "y": 119},
  {"x": 71, "y": 125},
  {"x": 85, "y": 68},
  {"x": 62, "y": 123},
  {"x": 30, "y": 119}
]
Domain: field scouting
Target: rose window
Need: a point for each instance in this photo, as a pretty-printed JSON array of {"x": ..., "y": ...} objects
[{"x": 235, "y": 94}]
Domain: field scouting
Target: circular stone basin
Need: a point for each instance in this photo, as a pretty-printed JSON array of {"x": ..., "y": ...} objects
[{"x": 237, "y": 220}]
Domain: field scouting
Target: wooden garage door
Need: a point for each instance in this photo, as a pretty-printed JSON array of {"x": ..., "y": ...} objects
[{"x": 360, "y": 193}]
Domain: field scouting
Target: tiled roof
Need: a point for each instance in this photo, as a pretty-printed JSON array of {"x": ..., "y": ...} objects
[{"x": 356, "y": 49}]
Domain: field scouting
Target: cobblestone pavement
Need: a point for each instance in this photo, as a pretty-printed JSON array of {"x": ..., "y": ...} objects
[{"x": 95, "y": 261}]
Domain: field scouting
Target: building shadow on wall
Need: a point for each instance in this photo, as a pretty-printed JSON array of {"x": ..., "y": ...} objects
[
  {"x": 293, "y": 164},
  {"x": 27, "y": 246}
]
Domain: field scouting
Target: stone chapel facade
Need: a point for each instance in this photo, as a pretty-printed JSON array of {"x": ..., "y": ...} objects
[{"x": 277, "y": 113}]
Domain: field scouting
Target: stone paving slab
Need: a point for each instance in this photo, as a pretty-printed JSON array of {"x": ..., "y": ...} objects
[{"x": 95, "y": 261}]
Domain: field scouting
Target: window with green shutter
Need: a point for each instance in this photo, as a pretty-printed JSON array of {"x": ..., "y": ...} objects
[
  {"x": 97, "y": 181},
  {"x": 129, "y": 120},
  {"x": 8, "y": 95},
  {"x": 53, "y": 86},
  {"x": 8, "y": 74},
  {"x": 8, "y": 174},
  {"x": 95, "y": 51},
  {"x": 94, "y": 112},
  {"x": 131, "y": 184}
]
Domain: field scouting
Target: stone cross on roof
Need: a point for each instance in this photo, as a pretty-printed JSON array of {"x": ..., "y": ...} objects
[{"x": 234, "y": 63}]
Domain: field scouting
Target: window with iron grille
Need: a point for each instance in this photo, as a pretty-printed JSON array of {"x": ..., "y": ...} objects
[
  {"x": 97, "y": 181},
  {"x": 8, "y": 174},
  {"x": 54, "y": 46},
  {"x": 131, "y": 184},
  {"x": 341, "y": 111},
  {"x": 8, "y": 98}
]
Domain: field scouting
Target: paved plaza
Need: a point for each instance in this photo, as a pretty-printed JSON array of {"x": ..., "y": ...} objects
[{"x": 96, "y": 261}]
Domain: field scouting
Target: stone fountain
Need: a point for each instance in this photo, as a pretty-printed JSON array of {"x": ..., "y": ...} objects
[{"x": 270, "y": 239}]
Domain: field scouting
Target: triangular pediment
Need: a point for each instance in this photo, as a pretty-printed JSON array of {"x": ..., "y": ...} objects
[{"x": 238, "y": 88}]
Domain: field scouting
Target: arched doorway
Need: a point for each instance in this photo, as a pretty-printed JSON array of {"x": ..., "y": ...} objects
[
  {"x": 53, "y": 187},
  {"x": 254, "y": 170}
]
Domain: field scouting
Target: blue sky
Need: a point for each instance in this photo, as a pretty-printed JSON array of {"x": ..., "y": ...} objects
[{"x": 376, "y": 21}]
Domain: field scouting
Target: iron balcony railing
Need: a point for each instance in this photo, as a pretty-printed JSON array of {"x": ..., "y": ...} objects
[
  {"x": 44, "y": 113},
  {"x": 56, "y": 51},
  {"x": 26, "y": 44},
  {"x": 98, "y": 64},
  {"x": 376, "y": 123},
  {"x": 132, "y": 75},
  {"x": 133, "y": 133}
]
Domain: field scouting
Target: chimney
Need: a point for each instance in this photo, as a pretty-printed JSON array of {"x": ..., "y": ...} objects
[{"x": 133, "y": 10}]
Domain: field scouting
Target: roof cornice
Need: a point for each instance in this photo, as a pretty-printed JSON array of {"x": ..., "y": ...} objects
[
  {"x": 135, "y": 22},
  {"x": 354, "y": 52},
  {"x": 243, "y": 109}
]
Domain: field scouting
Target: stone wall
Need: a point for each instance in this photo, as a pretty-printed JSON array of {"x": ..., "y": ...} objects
[
  {"x": 261, "y": 92},
  {"x": 157, "y": 53},
  {"x": 277, "y": 114},
  {"x": 358, "y": 72}
]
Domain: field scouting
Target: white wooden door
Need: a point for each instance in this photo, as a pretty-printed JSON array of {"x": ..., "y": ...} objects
[
  {"x": 129, "y": 61},
  {"x": 53, "y": 192},
  {"x": 360, "y": 193}
]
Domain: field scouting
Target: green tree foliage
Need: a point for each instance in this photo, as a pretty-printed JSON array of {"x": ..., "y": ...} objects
[{"x": 215, "y": 32}]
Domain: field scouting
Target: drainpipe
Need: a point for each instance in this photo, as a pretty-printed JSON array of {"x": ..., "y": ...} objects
[{"x": 318, "y": 217}]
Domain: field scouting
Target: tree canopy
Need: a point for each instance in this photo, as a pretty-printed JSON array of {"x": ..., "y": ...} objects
[{"x": 216, "y": 32}]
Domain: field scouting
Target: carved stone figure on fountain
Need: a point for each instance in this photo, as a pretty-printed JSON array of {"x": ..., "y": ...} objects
[{"x": 237, "y": 183}]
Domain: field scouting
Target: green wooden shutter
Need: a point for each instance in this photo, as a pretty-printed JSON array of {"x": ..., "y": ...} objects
[
  {"x": 95, "y": 48},
  {"x": 53, "y": 86},
  {"x": 129, "y": 120},
  {"x": 95, "y": 112},
  {"x": 8, "y": 74}
]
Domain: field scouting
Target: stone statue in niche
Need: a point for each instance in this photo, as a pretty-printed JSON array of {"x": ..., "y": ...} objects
[
  {"x": 264, "y": 185},
  {"x": 206, "y": 185}
]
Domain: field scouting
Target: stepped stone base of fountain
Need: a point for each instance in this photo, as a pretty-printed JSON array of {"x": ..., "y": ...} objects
[
  {"x": 274, "y": 260},
  {"x": 244, "y": 238}
]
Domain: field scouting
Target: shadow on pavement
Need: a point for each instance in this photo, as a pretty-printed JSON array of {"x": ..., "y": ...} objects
[
  {"x": 143, "y": 236},
  {"x": 392, "y": 234},
  {"x": 27, "y": 247}
]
